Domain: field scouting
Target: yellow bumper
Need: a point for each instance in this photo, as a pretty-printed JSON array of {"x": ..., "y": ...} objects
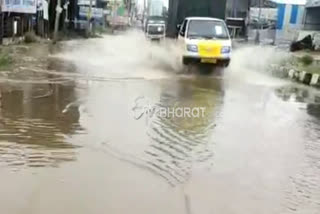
[{"x": 209, "y": 49}]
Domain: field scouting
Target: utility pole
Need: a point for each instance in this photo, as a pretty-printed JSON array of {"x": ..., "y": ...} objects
[
  {"x": 144, "y": 8},
  {"x": 257, "y": 40},
  {"x": 260, "y": 10},
  {"x": 89, "y": 19},
  {"x": 56, "y": 24},
  {"x": 235, "y": 8},
  {"x": 1, "y": 25},
  {"x": 48, "y": 21}
]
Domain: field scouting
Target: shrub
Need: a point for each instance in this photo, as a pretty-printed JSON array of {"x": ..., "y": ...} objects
[
  {"x": 5, "y": 60},
  {"x": 30, "y": 37},
  {"x": 307, "y": 60}
]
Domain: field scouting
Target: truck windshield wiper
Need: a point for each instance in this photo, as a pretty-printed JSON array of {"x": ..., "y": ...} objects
[
  {"x": 209, "y": 37},
  {"x": 221, "y": 37},
  {"x": 194, "y": 37},
  {"x": 201, "y": 37}
]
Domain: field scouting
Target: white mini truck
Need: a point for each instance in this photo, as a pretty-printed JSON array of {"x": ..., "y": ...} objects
[{"x": 205, "y": 40}]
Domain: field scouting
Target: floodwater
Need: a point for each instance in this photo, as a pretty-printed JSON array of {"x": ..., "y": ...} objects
[{"x": 80, "y": 133}]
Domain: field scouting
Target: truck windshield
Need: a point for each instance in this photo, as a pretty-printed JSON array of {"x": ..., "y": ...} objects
[{"x": 207, "y": 29}]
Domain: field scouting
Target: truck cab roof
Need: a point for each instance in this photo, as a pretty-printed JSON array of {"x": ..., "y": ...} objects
[{"x": 203, "y": 18}]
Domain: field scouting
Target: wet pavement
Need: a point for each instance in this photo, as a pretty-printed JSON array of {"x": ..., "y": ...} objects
[{"x": 78, "y": 136}]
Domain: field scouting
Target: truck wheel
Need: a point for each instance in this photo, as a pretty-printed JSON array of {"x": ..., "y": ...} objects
[
  {"x": 226, "y": 64},
  {"x": 185, "y": 61}
]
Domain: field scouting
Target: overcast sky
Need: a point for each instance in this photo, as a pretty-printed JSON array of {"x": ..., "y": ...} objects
[
  {"x": 291, "y": 1},
  {"x": 166, "y": 2},
  {"x": 140, "y": 2}
]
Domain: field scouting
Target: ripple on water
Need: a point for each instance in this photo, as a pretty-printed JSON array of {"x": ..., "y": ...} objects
[
  {"x": 303, "y": 191},
  {"x": 33, "y": 143},
  {"x": 17, "y": 156},
  {"x": 179, "y": 144},
  {"x": 35, "y": 132}
]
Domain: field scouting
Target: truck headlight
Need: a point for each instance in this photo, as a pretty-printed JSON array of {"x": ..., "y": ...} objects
[
  {"x": 192, "y": 48},
  {"x": 225, "y": 49}
]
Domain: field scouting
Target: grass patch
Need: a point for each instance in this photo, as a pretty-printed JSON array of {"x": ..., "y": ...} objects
[
  {"x": 5, "y": 61},
  {"x": 306, "y": 60},
  {"x": 290, "y": 61},
  {"x": 308, "y": 64},
  {"x": 313, "y": 68},
  {"x": 305, "y": 63}
]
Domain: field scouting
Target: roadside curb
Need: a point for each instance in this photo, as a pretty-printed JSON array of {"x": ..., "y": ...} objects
[{"x": 296, "y": 75}]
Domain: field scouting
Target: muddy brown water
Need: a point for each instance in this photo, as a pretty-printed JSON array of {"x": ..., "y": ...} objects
[{"x": 76, "y": 136}]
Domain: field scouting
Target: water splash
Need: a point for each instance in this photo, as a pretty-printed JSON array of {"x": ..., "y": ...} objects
[
  {"x": 251, "y": 63},
  {"x": 129, "y": 55}
]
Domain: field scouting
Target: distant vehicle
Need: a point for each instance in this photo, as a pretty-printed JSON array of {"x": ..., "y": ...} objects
[
  {"x": 119, "y": 18},
  {"x": 155, "y": 27},
  {"x": 155, "y": 21},
  {"x": 205, "y": 40}
]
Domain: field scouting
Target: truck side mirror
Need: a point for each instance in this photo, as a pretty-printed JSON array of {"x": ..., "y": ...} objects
[{"x": 178, "y": 27}]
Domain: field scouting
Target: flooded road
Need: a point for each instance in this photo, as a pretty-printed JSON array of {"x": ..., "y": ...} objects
[{"x": 79, "y": 134}]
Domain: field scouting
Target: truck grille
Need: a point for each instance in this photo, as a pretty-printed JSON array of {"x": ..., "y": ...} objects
[{"x": 153, "y": 29}]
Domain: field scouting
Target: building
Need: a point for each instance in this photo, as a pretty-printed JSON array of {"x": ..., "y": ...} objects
[
  {"x": 18, "y": 17},
  {"x": 237, "y": 16},
  {"x": 311, "y": 24},
  {"x": 75, "y": 13},
  {"x": 42, "y": 19},
  {"x": 290, "y": 18},
  {"x": 83, "y": 13},
  {"x": 238, "y": 8},
  {"x": 312, "y": 17}
]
